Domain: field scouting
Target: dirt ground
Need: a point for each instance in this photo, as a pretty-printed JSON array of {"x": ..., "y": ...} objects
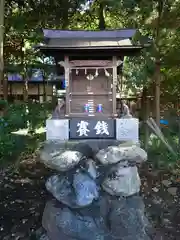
[{"x": 23, "y": 197}]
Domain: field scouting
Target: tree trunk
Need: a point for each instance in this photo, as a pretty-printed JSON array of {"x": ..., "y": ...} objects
[
  {"x": 145, "y": 114},
  {"x": 102, "y": 23},
  {"x": 2, "y": 2},
  {"x": 25, "y": 75},
  {"x": 157, "y": 92},
  {"x": 157, "y": 77},
  {"x": 44, "y": 88}
]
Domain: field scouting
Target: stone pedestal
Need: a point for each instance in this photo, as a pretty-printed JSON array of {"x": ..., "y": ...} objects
[
  {"x": 124, "y": 129},
  {"x": 127, "y": 129},
  {"x": 57, "y": 129},
  {"x": 95, "y": 196}
]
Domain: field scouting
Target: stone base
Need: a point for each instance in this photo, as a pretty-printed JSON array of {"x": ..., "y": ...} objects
[
  {"x": 96, "y": 190},
  {"x": 109, "y": 219}
]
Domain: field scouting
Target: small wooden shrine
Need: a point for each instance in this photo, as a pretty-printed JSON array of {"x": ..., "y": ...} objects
[{"x": 91, "y": 62}]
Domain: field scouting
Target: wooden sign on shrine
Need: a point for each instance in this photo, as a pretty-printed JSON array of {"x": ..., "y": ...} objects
[{"x": 92, "y": 61}]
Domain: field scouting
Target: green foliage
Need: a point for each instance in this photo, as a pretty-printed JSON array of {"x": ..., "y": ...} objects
[
  {"x": 10, "y": 146},
  {"x": 15, "y": 117},
  {"x": 24, "y": 19},
  {"x": 158, "y": 154},
  {"x": 37, "y": 115},
  {"x": 160, "y": 157},
  {"x": 20, "y": 116},
  {"x": 156, "y": 19},
  {"x": 3, "y": 104}
]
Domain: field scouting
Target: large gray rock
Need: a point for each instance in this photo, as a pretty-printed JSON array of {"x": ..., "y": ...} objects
[
  {"x": 74, "y": 191},
  {"x": 115, "y": 154},
  {"x": 57, "y": 156},
  {"x": 110, "y": 219},
  {"x": 127, "y": 219},
  {"x": 62, "y": 223},
  {"x": 49, "y": 222},
  {"x": 61, "y": 189},
  {"x": 87, "y": 147},
  {"x": 122, "y": 182},
  {"x": 85, "y": 189},
  {"x": 67, "y": 160},
  {"x": 51, "y": 152}
]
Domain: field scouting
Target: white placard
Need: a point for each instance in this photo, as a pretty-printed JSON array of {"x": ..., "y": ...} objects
[
  {"x": 127, "y": 129},
  {"x": 57, "y": 129}
]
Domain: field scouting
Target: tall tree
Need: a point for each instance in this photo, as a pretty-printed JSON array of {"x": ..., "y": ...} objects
[
  {"x": 101, "y": 15},
  {"x": 2, "y": 3},
  {"x": 24, "y": 19}
]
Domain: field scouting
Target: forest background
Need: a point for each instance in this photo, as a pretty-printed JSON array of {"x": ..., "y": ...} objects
[{"x": 155, "y": 72}]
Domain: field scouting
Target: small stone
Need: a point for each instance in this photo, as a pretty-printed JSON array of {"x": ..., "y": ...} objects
[
  {"x": 172, "y": 190},
  {"x": 9, "y": 186},
  {"x": 32, "y": 209},
  {"x": 166, "y": 183},
  {"x": 24, "y": 221},
  {"x": 155, "y": 189},
  {"x": 157, "y": 200},
  {"x": 24, "y": 181},
  {"x": 19, "y": 235},
  {"x": 166, "y": 221},
  {"x": 19, "y": 201}
]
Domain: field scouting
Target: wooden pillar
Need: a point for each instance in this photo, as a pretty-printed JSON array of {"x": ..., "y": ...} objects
[
  {"x": 66, "y": 68},
  {"x": 114, "y": 86}
]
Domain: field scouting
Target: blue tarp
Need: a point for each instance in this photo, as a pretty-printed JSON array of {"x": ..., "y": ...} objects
[
  {"x": 64, "y": 84},
  {"x": 164, "y": 122}
]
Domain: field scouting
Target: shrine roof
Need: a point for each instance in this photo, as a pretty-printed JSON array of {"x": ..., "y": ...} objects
[
  {"x": 67, "y": 41},
  {"x": 106, "y": 34},
  {"x": 89, "y": 45}
]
